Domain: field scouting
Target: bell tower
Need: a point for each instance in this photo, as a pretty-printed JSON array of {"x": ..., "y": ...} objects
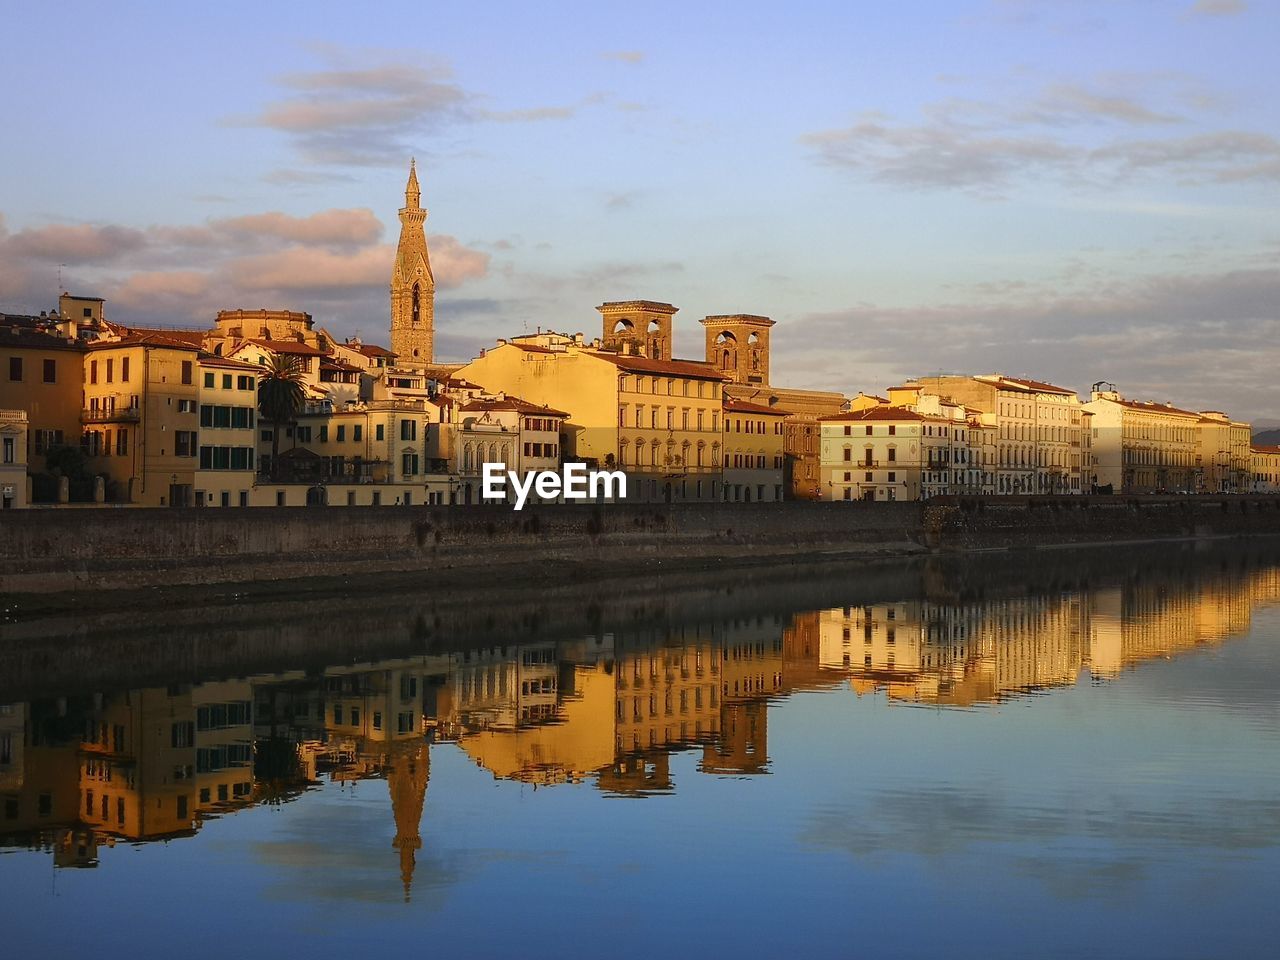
[
  {"x": 413, "y": 288},
  {"x": 639, "y": 327},
  {"x": 738, "y": 346}
]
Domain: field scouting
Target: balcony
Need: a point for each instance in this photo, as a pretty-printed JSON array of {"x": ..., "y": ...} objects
[{"x": 118, "y": 408}]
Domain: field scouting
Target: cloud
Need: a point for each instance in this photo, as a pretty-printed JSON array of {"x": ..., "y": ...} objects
[
  {"x": 372, "y": 115},
  {"x": 988, "y": 147},
  {"x": 1218, "y": 8},
  {"x": 78, "y": 244},
  {"x": 185, "y": 273},
  {"x": 361, "y": 116},
  {"x": 1067, "y": 103},
  {"x": 1164, "y": 336},
  {"x": 342, "y": 227},
  {"x": 299, "y": 178},
  {"x": 633, "y": 57}
]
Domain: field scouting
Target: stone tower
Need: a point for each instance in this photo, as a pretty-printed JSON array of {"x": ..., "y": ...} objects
[
  {"x": 738, "y": 346},
  {"x": 413, "y": 288},
  {"x": 640, "y": 327}
]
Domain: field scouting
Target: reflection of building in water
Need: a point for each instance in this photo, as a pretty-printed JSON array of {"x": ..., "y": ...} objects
[
  {"x": 78, "y": 774},
  {"x": 408, "y": 770},
  {"x": 963, "y": 654}
]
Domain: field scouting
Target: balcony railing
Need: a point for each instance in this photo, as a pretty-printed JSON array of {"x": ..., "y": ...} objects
[{"x": 113, "y": 409}]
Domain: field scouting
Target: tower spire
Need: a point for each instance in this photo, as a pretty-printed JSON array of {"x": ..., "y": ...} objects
[
  {"x": 412, "y": 194},
  {"x": 413, "y": 288}
]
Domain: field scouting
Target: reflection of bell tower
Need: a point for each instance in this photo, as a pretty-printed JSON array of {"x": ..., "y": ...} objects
[
  {"x": 640, "y": 327},
  {"x": 407, "y": 774},
  {"x": 743, "y": 744},
  {"x": 738, "y": 346},
  {"x": 413, "y": 288}
]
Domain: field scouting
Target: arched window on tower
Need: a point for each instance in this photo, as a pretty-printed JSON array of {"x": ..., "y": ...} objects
[{"x": 417, "y": 304}]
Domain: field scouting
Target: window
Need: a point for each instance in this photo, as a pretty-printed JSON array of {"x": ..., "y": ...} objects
[
  {"x": 209, "y": 380},
  {"x": 9, "y": 452},
  {"x": 356, "y": 431},
  {"x": 15, "y": 369},
  {"x": 340, "y": 433},
  {"x": 182, "y": 734},
  {"x": 244, "y": 382},
  {"x": 379, "y": 432},
  {"x": 184, "y": 443},
  {"x": 226, "y": 381},
  {"x": 186, "y": 372},
  {"x": 408, "y": 430},
  {"x": 324, "y": 433},
  {"x": 409, "y": 463},
  {"x": 868, "y": 430}
]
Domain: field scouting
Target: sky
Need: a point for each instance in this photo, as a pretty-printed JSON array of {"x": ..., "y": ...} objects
[{"x": 1071, "y": 191}]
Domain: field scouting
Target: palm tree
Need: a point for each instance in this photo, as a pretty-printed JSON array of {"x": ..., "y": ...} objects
[{"x": 281, "y": 395}]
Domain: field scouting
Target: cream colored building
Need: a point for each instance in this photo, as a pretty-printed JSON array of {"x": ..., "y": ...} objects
[
  {"x": 1224, "y": 453},
  {"x": 13, "y": 460},
  {"x": 228, "y": 433},
  {"x": 521, "y": 436},
  {"x": 1265, "y": 469},
  {"x": 754, "y": 452},
  {"x": 657, "y": 420},
  {"x": 1142, "y": 447},
  {"x": 41, "y": 373},
  {"x": 1038, "y": 430},
  {"x": 373, "y": 453},
  {"x": 141, "y": 417},
  {"x": 885, "y": 453},
  {"x": 965, "y": 463}
]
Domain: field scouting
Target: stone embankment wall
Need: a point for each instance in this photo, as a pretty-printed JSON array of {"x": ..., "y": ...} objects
[{"x": 48, "y": 551}]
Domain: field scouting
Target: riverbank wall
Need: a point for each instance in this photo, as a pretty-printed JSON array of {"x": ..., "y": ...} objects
[{"x": 86, "y": 551}]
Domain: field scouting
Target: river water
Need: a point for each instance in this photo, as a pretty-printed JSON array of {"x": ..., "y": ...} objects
[{"x": 1073, "y": 755}]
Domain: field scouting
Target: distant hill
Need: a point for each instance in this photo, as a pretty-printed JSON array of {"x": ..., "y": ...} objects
[{"x": 1267, "y": 438}]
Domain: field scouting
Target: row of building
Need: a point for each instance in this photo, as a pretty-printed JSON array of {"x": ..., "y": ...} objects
[{"x": 170, "y": 417}]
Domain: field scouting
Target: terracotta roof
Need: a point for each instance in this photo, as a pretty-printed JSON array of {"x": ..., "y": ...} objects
[
  {"x": 742, "y": 406},
  {"x": 146, "y": 339},
  {"x": 194, "y": 337},
  {"x": 1145, "y": 406},
  {"x": 1033, "y": 386},
  {"x": 288, "y": 346},
  {"x": 876, "y": 413},
  {"x": 1266, "y": 449},
  {"x": 25, "y": 336},
  {"x": 511, "y": 403},
  {"x": 328, "y": 362},
  {"x": 371, "y": 350},
  {"x": 694, "y": 369},
  {"x": 531, "y": 347},
  {"x": 213, "y": 360}
]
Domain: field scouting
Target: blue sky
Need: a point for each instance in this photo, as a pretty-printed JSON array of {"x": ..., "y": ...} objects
[{"x": 1075, "y": 191}]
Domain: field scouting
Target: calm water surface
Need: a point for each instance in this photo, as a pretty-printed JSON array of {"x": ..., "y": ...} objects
[{"x": 1088, "y": 770}]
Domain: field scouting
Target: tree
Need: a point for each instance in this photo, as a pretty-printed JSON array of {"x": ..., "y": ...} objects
[{"x": 281, "y": 396}]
